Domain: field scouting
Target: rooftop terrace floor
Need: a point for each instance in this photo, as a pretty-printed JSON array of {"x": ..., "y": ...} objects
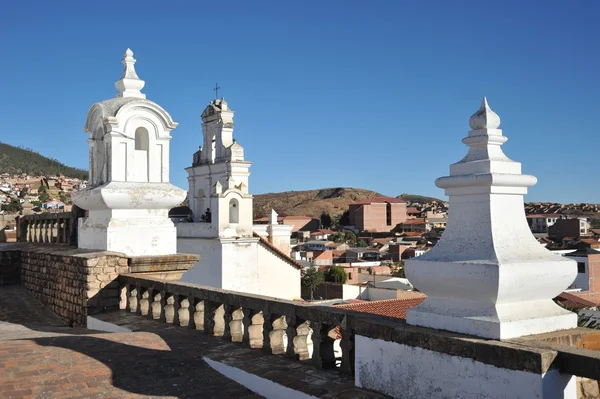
[{"x": 40, "y": 357}]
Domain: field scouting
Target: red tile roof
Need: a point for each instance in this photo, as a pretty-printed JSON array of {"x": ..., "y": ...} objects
[
  {"x": 388, "y": 307},
  {"x": 574, "y": 302}
]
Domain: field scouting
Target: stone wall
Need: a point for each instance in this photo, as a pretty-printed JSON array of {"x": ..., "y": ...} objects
[
  {"x": 71, "y": 282},
  {"x": 9, "y": 267}
]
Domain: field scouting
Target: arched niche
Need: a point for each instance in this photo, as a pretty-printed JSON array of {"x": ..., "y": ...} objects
[
  {"x": 141, "y": 156},
  {"x": 200, "y": 206},
  {"x": 234, "y": 211}
]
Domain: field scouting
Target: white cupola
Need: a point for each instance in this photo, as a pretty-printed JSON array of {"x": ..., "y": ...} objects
[{"x": 129, "y": 194}]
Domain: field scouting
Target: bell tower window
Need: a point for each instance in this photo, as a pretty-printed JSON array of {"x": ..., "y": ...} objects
[{"x": 234, "y": 211}]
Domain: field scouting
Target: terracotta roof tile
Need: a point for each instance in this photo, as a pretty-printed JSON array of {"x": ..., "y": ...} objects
[
  {"x": 278, "y": 252},
  {"x": 389, "y": 307}
]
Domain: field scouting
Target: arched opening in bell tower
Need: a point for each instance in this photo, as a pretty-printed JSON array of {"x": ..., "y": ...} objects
[
  {"x": 141, "y": 154},
  {"x": 234, "y": 211},
  {"x": 200, "y": 209},
  {"x": 213, "y": 149}
]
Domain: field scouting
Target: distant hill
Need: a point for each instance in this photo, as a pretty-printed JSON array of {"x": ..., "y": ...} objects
[
  {"x": 418, "y": 198},
  {"x": 16, "y": 160},
  {"x": 310, "y": 202}
]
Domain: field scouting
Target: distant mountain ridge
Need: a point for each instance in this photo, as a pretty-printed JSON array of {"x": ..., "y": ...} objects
[
  {"x": 17, "y": 160},
  {"x": 313, "y": 203}
]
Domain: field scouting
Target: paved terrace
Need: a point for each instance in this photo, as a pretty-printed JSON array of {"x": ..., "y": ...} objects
[{"x": 41, "y": 357}]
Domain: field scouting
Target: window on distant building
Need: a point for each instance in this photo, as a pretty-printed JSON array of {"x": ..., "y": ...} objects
[
  {"x": 580, "y": 267},
  {"x": 349, "y": 276},
  {"x": 388, "y": 213}
]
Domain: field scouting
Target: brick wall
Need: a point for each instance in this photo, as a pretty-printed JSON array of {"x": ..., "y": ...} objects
[{"x": 71, "y": 282}]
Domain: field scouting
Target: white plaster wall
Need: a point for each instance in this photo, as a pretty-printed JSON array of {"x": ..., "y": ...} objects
[
  {"x": 278, "y": 278},
  {"x": 240, "y": 265},
  {"x": 207, "y": 271},
  {"x": 379, "y": 294},
  {"x": 403, "y": 371},
  {"x": 353, "y": 292},
  {"x": 583, "y": 279}
]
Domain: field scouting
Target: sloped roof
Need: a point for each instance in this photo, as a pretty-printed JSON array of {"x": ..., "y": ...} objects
[
  {"x": 266, "y": 244},
  {"x": 388, "y": 307}
]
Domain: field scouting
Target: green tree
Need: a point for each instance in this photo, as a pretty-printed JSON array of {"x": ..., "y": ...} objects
[
  {"x": 399, "y": 273},
  {"x": 23, "y": 192},
  {"x": 362, "y": 243},
  {"x": 63, "y": 197},
  {"x": 350, "y": 238},
  {"x": 337, "y": 274},
  {"x": 312, "y": 278},
  {"x": 325, "y": 220},
  {"x": 43, "y": 194},
  {"x": 344, "y": 219},
  {"x": 12, "y": 206},
  {"x": 595, "y": 223}
]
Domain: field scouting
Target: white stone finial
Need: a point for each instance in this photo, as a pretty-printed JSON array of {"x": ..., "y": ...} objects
[
  {"x": 488, "y": 276},
  {"x": 484, "y": 118},
  {"x": 273, "y": 217},
  {"x": 130, "y": 85}
]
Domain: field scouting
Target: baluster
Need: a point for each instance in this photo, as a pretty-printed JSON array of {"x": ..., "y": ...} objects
[
  {"x": 255, "y": 330},
  {"x": 267, "y": 328},
  {"x": 199, "y": 316},
  {"x": 302, "y": 341},
  {"x": 123, "y": 296},
  {"x": 133, "y": 300},
  {"x": 145, "y": 303},
  {"x": 277, "y": 337},
  {"x": 236, "y": 325},
  {"x": 170, "y": 309},
  {"x": 156, "y": 306},
  {"x": 219, "y": 321},
  {"x": 184, "y": 312}
]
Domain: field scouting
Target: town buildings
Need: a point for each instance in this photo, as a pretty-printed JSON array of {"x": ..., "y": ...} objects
[{"x": 379, "y": 214}]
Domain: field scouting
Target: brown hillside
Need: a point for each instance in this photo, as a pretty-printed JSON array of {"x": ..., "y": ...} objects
[{"x": 310, "y": 202}]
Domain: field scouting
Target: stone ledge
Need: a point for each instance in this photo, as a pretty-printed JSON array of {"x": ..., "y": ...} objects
[{"x": 503, "y": 354}]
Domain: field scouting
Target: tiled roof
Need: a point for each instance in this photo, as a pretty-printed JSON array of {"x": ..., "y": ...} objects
[
  {"x": 388, "y": 307},
  {"x": 574, "y": 302}
]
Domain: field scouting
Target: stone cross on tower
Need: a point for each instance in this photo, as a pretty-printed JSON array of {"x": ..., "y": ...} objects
[
  {"x": 216, "y": 90},
  {"x": 488, "y": 276},
  {"x": 129, "y": 195}
]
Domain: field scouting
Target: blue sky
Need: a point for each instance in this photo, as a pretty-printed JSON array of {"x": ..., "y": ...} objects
[{"x": 375, "y": 95}]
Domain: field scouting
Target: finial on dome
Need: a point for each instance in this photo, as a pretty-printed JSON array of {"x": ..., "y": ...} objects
[
  {"x": 484, "y": 118},
  {"x": 130, "y": 85}
]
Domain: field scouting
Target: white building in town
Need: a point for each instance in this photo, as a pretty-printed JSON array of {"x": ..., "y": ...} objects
[{"x": 234, "y": 255}]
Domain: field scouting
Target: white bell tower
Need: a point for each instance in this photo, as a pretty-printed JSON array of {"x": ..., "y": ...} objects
[
  {"x": 129, "y": 195},
  {"x": 218, "y": 178}
]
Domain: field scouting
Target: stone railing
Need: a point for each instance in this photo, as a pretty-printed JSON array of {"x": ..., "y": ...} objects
[
  {"x": 323, "y": 334},
  {"x": 329, "y": 337},
  {"x": 50, "y": 228}
]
